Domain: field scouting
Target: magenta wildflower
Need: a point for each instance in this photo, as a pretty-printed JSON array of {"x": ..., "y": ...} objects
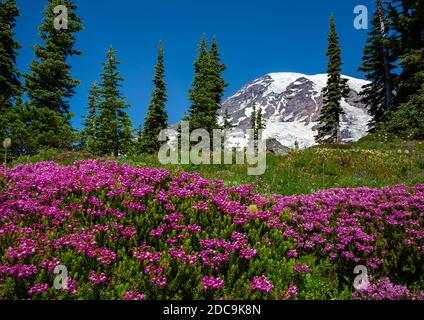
[
  {"x": 212, "y": 283},
  {"x": 38, "y": 288},
  {"x": 261, "y": 283}
]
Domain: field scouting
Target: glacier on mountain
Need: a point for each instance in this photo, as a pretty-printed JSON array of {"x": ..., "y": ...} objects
[{"x": 291, "y": 103}]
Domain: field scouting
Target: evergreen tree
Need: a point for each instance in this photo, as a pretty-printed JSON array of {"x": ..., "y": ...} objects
[
  {"x": 408, "y": 120},
  {"x": 114, "y": 135},
  {"x": 157, "y": 118},
  {"x": 253, "y": 118},
  {"x": 207, "y": 88},
  {"x": 408, "y": 21},
  {"x": 336, "y": 89},
  {"x": 50, "y": 83},
  {"x": 218, "y": 83},
  {"x": 228, "y": 125},
  {"x": 378, "y": 65},
  {"x": 89, "y": 134},
  {"x": 10, "y": 86},
  {"x": 260, "y": 123},
  {"x": 202, "y": 101},
  {"x": 35, "y": 129}
]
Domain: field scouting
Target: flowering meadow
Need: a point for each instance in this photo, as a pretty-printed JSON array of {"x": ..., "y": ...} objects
[{"x": 125, "y": 232}]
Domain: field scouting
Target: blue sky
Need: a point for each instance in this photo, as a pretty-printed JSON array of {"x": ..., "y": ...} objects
[{"x": 255, "y": 38}]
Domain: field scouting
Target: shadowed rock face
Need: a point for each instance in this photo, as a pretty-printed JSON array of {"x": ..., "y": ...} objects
[
  {"x": 273, "y": 146},
  {"x": 291, "y": 104}
]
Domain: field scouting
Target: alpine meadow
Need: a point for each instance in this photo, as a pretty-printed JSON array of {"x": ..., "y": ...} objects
[{"x": 329, "y": 110}]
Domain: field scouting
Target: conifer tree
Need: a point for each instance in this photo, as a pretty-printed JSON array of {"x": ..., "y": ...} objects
[
  {"x": 50, "y": 83},
  {"x": 157, "y": 118},
  {"x": 114, "y": 135},
  {"x": 89, "y": 134},
  {"x": 10, "y": 86},
  {"x": 407, "y": 17},
  {"x": 202, "y": 101},
  {"x": 378, "y": 65},
  {"x": 336, "y": 89},
  {"x": 407, "y": 120},
  {"x": 260, "y": 123},
  {"x": 218, "y": 83},
  {"x": 207, "y": 88},
  {"x": 228, "y": 125},
  {"x": 253, "y": 117}
]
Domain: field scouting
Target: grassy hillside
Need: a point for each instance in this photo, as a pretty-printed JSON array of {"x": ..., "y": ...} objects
[{"x": 365, "y": 163}]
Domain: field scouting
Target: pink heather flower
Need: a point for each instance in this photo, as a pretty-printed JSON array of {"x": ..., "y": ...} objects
[
  {"x": 384, "y": 289},
  {"x": 129, "y": 232},
  {"x": 97, "y": 278},
  {"x": 201, "y": 206},
  {"x": 261, "y": 283},
  {"x": 38, "y": 288},
  {"x": 194, "y": 228},
  {"x": 160, "y": 281},
  {"x": 300, "y": 268},
  {"x": 132, "y": 295},
  {"x": 292, "y": 254},
  {"x": 71, "y": 286},
  {"x": 247, "y": 254},
  {"x": 211, "y": 282},
  {"x": 291, "y": 292}
]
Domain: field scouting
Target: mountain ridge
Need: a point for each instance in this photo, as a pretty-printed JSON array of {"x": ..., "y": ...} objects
[{"x": 291, "y": 103}]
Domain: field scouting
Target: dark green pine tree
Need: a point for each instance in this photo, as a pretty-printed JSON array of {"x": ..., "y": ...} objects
[
  {"x": 114, "y": 135},
  {"x": 157, "y": 118},
  {"x": 336, "y": 89},
  {"x": 378, "y": 66},
  {"x": 260, "y": 123},
  {"x": 407, "y": 17},
  {"x": 227, "y": 125},
  {"x": 407, "y": 120},
  {"x": 218, "y": 83},
  {"x": 49, "y": 83},
  {"x": 253, "y": 117},
  {"x": 253, "y": 123},
  {"x": 10, "y": 86},
  {"x": 201, "y": 97},
  {"x": 89, "y": 134}
]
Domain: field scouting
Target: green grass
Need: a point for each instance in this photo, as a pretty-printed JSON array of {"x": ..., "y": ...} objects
[{"x": 368, "y": 163}]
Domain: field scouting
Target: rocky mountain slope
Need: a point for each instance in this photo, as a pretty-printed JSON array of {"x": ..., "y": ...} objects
[{"x": 291, "y": 103}]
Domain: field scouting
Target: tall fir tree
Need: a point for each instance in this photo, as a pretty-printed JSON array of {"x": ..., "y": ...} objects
[
  {"x": 336, "y": 89},
  {"x": 407, "y": 17},
  {"x": 202, "y": 101},
  {"x": 10, "y": 86},
  {"x": 115, "y": 128},
  {"x": 207, "y": 88},
  {"x": 227, "y": 124},
  {"x": 407, "y": 120},
  {"x": 378, "y": 66},
  {"x": 157, "y": 118},
  {"x": 89, "y": 134},
  {"x": 218, "y": 83},
  {"x": 253, "y": 117},
  {"x": 50, "y": 83},
  {"x": 260, "y": 122}
]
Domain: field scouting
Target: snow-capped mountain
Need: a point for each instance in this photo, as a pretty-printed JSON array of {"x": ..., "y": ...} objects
[{"x": 291, "y": 103}]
